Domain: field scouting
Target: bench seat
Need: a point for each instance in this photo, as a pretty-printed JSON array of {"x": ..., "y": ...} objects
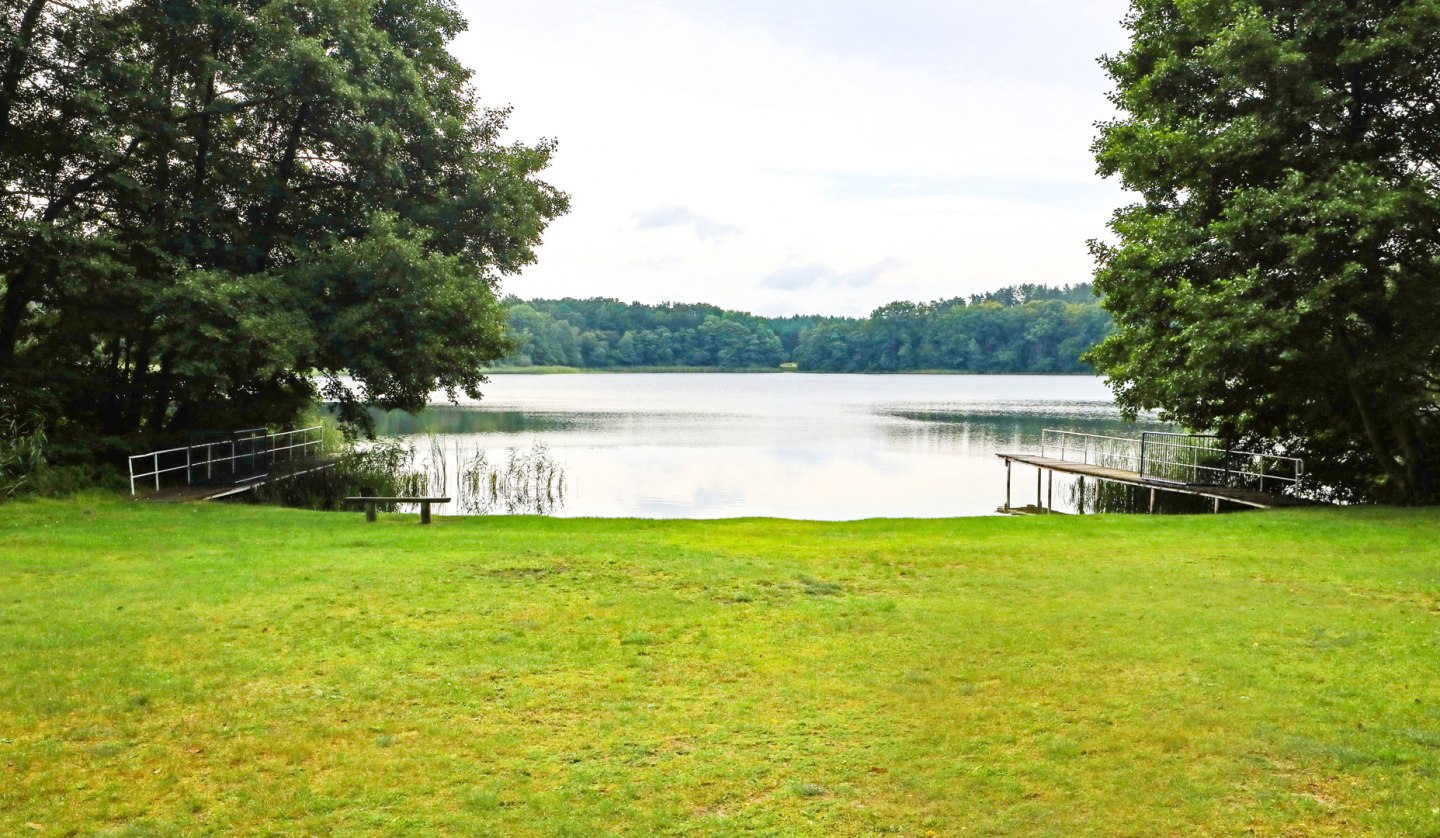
[{"x": 370, "y": 501}]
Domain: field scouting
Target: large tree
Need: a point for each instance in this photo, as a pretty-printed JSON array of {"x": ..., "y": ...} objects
[
  {"x": 1278, "y": 279},
  {"x": 212, "y": 211}
]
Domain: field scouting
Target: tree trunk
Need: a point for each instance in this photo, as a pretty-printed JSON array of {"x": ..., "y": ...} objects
[
  {"x": 267, "y": 218},
  {"x": 139, "y": 381},
  {"x": 12, "y": 312},
  {"x": 164, "y": 381},
  {"x": 110, "y": 419},
  {"x": 15, "y": 63},
  {"x": 1412, "y": 448},
  {"x": 1379, "y": 446},
  {"x": 198, "y": 254}
]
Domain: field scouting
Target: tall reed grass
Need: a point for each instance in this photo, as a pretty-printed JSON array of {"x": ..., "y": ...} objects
[
  {"x": 23, "y": 449},
  {"x": 524, "y": 482}
]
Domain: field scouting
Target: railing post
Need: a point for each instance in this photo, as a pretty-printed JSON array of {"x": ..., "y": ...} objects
[
  {"x": 188, "y": 466},
  {"x": 156, "y": 456}
]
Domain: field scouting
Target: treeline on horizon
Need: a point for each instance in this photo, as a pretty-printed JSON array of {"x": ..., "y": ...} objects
[{"x": 1017, "y": 329}]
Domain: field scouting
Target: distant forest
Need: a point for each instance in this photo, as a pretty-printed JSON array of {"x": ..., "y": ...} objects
[{"x": 1018, "y": 329}]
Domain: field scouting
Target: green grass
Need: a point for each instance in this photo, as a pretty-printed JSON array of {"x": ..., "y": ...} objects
[{"x": 204, "y": 669}]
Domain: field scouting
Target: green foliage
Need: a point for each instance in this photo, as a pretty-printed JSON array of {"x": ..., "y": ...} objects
[
  {"x": 207, "y": 207},
  {"x": 1014, "y": 295},
  {"x": 1278, "y": 280},
  {"x": 1045, "y": 336},
  {"x": 23, "y": 449},
  {"x": 604, "y": 332},
  {"x": 1025, "y": 328},
  {"x": 384, "y": 468}
]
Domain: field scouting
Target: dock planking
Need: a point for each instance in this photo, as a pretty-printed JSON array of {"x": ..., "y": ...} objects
[
  {"x": 193, "y": 493},
  {"x": 1226, "y": 494}
]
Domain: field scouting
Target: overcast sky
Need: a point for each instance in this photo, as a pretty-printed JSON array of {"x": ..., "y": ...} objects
[{"x": 806, "y": 156}]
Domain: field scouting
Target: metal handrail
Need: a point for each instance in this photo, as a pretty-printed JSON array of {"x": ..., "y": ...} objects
[
  {"x": 1161, "y": 459},
  {"x": 1086, "y": 446},
  {"x": 1183, "y": 442},
  {"x": 210, "y": 459}
]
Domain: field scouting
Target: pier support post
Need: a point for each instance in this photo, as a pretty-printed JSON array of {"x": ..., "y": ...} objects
[
  {"x": 1050, "y": 493},
  {"x": 1152, "y": 501},
  {"x": 1039, "y": 473},
  {"x": 1217, "y": 506},
  {"x": 1008, "y": 464},
  {"x": 1082, "y": 496}
]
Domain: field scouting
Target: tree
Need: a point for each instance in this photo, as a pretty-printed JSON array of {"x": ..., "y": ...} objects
[
  {"x": 733, "y": 343},
  {"x": 213, "y": 211},
  {"x": 1278, "y": 280}
]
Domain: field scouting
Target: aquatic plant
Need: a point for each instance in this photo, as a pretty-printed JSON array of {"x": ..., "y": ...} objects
[{"x": 528, "y": 482}]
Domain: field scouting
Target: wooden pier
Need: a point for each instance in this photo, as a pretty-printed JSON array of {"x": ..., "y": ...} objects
[
  {"x": 203, "y": 492},
  {"x": 226, "y": 464},
  {"x": 1167, "y": 455}
]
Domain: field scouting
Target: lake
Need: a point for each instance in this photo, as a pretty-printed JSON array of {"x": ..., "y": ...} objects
[{"x": 717, "y": 445}]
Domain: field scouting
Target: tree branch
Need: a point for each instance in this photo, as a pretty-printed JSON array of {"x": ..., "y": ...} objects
[{"x": 15, "y": 63}]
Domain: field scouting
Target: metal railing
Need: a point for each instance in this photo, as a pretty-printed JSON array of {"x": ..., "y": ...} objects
[
  {"x": 1183, "y": 459},
  {"x": 208, "y": 462},
  {"x": 1091, "y": 449},
  {"x": 1204, "y": 461}
]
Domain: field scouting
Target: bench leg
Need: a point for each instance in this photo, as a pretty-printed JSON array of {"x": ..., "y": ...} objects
[
  {"x": 370, "y": 512},
  {"x": 424, "y": 512}
]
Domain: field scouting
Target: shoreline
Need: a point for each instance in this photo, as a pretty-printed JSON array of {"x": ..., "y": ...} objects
[{"x": 756, "y": 371}]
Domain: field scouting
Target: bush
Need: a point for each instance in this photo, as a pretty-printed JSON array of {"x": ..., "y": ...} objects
[
  {"x": 382, "y": 469},
  {"x": 23, "y": 450}
]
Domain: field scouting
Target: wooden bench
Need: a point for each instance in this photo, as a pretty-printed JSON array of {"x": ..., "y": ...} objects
[{"x": 370, "y": 503}]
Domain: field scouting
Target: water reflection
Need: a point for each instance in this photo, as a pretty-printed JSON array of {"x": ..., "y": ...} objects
[
  {"x": 444, "y": 419},
  {"x": 799, "y": 446},
  {"x": 523, "y": 483}
]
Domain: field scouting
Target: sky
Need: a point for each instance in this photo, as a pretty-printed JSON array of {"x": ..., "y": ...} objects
[{"x": 806, "y": 156}]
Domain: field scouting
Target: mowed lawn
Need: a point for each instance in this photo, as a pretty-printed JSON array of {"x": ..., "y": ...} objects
[{"x": 212, "y": 669}]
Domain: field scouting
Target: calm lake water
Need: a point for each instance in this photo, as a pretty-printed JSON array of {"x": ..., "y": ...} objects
[{"x": 827, "y": 447}]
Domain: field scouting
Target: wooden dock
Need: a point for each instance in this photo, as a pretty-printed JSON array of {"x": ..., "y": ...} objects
[
  {"x": 247, "y": 457},
  {"x": 1218, "y": 494},
  {"x": 221, "y": 491}
]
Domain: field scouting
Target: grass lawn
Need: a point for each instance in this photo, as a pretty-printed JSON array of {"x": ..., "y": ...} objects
[{"x": 211, "y": 669}]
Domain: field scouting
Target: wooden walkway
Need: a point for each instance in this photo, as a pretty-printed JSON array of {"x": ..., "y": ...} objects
[
  {"x": 1219, "y": 494},
  {"x": 220, "y": 491}
]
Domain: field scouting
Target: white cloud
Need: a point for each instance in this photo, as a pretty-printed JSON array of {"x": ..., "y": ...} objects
[
  {"x": 705, "y": 228},
  {"x": 796, "y": 278},
  {"x": 809, "y": 276},
  {"x": 816, "y": 145}
]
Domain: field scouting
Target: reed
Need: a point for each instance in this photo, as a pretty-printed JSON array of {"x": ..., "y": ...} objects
[
  {"x": 528, "y": 482},
  {"x": 23, "y": 449},
  {"x": 384, "y": 468}
]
